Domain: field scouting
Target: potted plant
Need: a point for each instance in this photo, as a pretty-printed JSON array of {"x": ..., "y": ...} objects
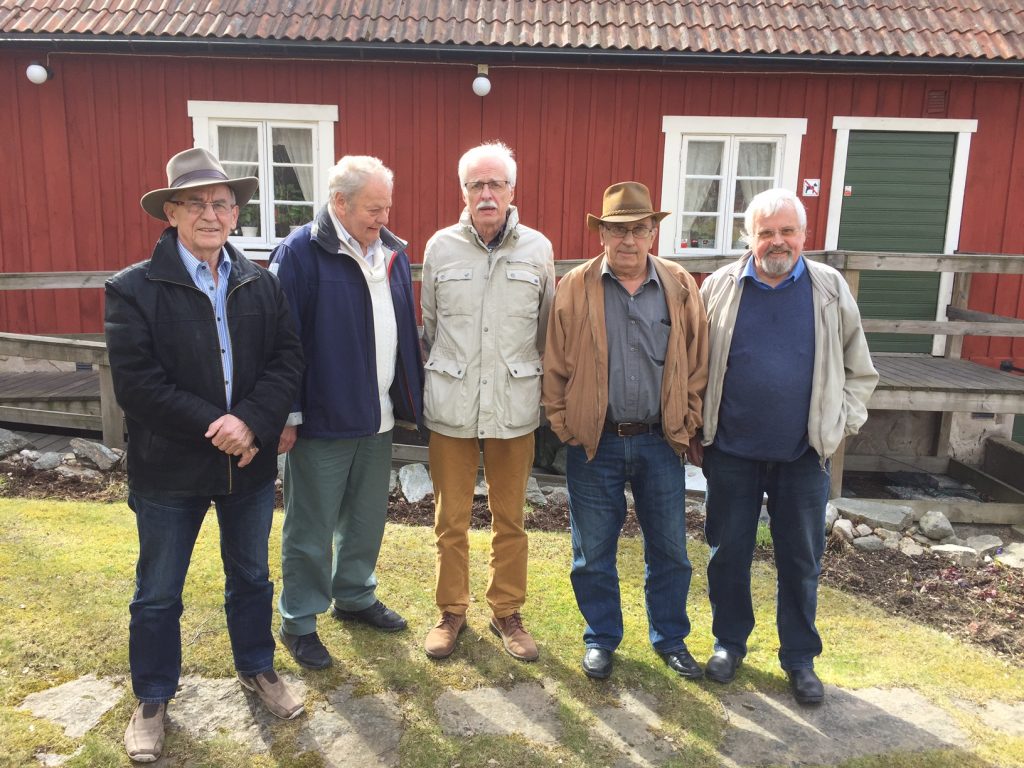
[{"x": 249, "y": 220}]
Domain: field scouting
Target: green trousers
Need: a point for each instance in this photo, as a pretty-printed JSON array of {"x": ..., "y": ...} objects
[{"x": 335, "y": 504}]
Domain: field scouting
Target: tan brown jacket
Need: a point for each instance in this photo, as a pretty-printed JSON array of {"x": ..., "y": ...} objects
[{"x": 575, "y": 389}]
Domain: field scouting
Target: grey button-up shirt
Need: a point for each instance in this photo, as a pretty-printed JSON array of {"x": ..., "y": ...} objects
[{"x": 637, "y": 327}]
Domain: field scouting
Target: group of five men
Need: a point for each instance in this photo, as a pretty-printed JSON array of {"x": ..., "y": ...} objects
[{"x": 219, "y": 366}]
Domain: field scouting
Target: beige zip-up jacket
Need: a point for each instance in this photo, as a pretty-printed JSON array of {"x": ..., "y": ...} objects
[
  {"x": 484, "y": 322},
  {"x": 843, "y": 377},
  {"x": 576, "y": 361}
]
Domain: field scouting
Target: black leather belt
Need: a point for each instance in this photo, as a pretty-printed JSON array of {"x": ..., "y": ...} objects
[{"x": 630, "y": 428}]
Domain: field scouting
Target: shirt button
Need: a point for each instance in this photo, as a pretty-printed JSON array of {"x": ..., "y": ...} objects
[
  {"x": 484, "y": 381},
  {"x": 485, "y": 329}
]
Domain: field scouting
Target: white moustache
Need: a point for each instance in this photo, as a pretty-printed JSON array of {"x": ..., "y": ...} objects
[{"x": 486, "y": 205}]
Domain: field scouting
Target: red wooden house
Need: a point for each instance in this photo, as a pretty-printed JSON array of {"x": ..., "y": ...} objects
[{"x": 901, "y": 123}]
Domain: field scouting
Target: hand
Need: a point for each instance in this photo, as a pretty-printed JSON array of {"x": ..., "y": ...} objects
[
  {"x": 248, "y": 456},
  {"x": 695, "y": 452},
  {"x": 231, "y": 435},
  {"x": 287, "y": 440}
]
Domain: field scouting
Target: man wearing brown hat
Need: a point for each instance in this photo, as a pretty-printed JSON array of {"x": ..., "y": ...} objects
[
  {"x": 205, "y": 364},
  {"x": 624, "y": 373}
]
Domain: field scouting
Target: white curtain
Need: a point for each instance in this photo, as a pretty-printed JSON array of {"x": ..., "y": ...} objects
[
  {"x": 239, "y": 151},
  {"x": 298, "y": 145}
]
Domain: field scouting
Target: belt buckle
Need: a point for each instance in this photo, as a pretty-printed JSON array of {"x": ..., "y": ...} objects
[{"x": 618, "y": 429}]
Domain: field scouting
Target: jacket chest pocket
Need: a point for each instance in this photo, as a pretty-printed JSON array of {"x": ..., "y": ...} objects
[
  {"x": 523, "y": 288},
  {"x": 453, "y": 291}
]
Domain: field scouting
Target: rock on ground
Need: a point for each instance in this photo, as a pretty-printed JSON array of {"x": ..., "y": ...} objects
[
  {"x": 965, "y": 557},
  {"x": 870, "y": 543},
  {"x": 95, "y": 454},
  {"x": 534, "y": 495},
  {"x": 895, "y": 517},
  {"x": 76, "y": 706},
  {"x": 415, "y": 481},
  {"x": 773, "y": 730},
  {"x": 11, "y": 442},
  {"x": 630, "y": 729},
  {"x": 985, "y": 544},
  {"x": 935, "y": 525},
  {"x": 844, "y": 528},
  {"x": 1012, "y": 556},
  {"x": 525, "y": 709}
]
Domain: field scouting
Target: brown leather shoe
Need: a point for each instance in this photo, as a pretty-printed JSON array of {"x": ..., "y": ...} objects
[
  {"x": 144, "y": 739},
  {"x": 440, "y": 642},
  {"x": 514, "y": 637}
]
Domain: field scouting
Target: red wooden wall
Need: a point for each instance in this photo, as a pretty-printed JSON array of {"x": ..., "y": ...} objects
[{"x": 77, "y": 152}]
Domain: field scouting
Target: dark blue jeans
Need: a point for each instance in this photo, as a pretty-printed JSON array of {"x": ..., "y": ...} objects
[
  {"x": 168, "y": 527},
  {"x": 797, "y": 494},
  {"x": 597, "y": 510}
]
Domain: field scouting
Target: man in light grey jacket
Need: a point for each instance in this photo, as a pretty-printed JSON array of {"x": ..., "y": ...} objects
[
  {"x": 790, "y": 376},
  {"x": 486, "y": 292}
]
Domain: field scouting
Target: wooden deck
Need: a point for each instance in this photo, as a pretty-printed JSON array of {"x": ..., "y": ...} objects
[{"x": 926, "y": 383}]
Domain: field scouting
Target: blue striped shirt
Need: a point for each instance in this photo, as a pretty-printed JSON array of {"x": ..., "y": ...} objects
[{"x": 201, "y": 276}]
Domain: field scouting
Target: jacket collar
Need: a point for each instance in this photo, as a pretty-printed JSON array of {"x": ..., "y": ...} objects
[
  {"x": 165, "y": 263},
  {"x": 323, "y": 231},
  {"x": 508, "y": 232}
]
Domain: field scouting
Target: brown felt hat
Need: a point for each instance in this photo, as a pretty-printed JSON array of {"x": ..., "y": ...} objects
[
  {"x": 625, "y": 202},
  {"x": 195, "y": 167}
]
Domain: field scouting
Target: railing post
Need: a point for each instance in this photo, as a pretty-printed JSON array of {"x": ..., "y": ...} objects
[{"x": 110, "y": 412}]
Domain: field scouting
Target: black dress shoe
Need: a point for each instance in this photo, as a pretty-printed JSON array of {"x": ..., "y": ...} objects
[
  {"x": 307, "y": 650},
  {"x": 378, "y": 616},
  {"x": 597, "y": 663},
  {"x": 682, "y": 663},
  {"x": 807, "y": 688},
  {"x": 721, "y": 667}
]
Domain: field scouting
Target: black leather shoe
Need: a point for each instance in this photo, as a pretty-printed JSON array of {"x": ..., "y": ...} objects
[
  {"x": 307, "y": 650},
  {"x": 378, "y": 616},
  {"x": 682, "y": 663},
  {"x": 597, "y": 663},
  {"x": 807, "y": 688},
  {"x": 721, "y": 667}
]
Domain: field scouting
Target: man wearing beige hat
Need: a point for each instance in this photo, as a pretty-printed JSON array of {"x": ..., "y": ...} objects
[
  {"x": 205, "y": 364},
  {"x": 624, "y": 373}
]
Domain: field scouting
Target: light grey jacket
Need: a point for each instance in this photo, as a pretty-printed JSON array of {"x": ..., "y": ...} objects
[
  {"x": 485, "y": 319},
  {"x": 844, "y": 376}
]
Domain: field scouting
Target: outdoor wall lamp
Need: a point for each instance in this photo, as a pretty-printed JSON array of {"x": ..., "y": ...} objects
[
  {"x": 38, "y": 73},
  {"x": 481, "y": 84}
]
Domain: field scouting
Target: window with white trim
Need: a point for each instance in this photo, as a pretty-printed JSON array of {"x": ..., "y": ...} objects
[
  {"x": 288, "y": 147},
  {"x": 713, "y": 167}
]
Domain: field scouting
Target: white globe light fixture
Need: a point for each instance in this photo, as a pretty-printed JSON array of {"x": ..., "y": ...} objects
[
  {"x": 38, "y": 73},
  {"x": 481, "y": 84}
]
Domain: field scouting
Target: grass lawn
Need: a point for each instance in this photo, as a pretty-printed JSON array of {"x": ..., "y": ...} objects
[{"x": 67, "y": 574}]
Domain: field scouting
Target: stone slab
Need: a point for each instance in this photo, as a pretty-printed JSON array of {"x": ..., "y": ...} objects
[
  {"x": 525, "y": 709},
  {"x": 772, "y": 729},
  {"x": 350, "y": 730},
  {"x": 76, "y": 706},
  {"x": 895, "y": 517}
]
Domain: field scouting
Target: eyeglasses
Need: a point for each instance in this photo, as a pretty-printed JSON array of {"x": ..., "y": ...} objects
[
  {"x": 640, "y": 232},
  {"x": 198, "y": 207},
  {"x": 495, "y": 185},
  {"x": 769, "y": 234}
]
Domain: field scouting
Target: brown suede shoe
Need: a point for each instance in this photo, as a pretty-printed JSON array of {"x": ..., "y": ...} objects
[
  {"x": 277, "y": 697},
  {"x": 144, "y": 739},
  {"x": 440, "y": 642},
  {"x": 514, "y": 637}
]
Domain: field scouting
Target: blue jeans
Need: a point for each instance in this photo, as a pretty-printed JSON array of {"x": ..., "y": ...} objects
[
  {"x": 168, "y": 527},
  {"x": 597, "y": 510},
  {"x": 797, "y": 494}
]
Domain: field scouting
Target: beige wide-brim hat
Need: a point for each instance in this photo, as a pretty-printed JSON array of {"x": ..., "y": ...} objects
[
  {"x": 195, "y": 167},
  {"x": 625, "y": 202}
]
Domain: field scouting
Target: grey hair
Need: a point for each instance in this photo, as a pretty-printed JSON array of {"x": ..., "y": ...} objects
[
  {"x": 768, "y": 203},
  {"x": 351, "y": 173},
  {"x": 492, "y": 150}
]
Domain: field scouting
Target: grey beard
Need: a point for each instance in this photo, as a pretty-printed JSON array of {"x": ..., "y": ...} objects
[{"x": 776, "y": 265}]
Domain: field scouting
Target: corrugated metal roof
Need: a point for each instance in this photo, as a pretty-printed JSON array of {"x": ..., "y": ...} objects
[{"x": 981, "y": 29}]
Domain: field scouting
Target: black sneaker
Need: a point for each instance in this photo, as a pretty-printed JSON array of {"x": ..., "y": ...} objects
[
  {"x": 307, "y": 650},
  {"x": 378, "y": 616}
]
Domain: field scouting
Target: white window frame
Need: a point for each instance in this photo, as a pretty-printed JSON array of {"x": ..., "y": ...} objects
[
  {"x": 678, "y": 129},
  {"x": 958, "y": 184},
  {"x": 321, "y": 118}
]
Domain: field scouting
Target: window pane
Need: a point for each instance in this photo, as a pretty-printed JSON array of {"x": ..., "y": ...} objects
[
  {"x": 745, "y": 191},
  {"x": 293, "y": 184},
  {"x": 701, "y": 195},
  {"x": 756, "y": 158},
  {"x": 292, "y": 145},
  {"x": 239, "y": 150},
  {"x": 699, "y": 231},
  {"x": 738, "y": 243},
  {"x": 704, "y": 158},
  {"x": 288, "y": 217},
  {"x": 248, "y": 221}
]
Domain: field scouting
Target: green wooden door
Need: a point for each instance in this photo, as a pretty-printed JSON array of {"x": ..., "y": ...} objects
[{"x": 898, "y": 200}]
